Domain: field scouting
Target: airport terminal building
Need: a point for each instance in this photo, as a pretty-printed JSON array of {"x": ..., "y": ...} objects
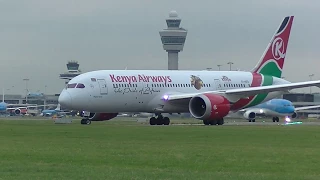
[
  {"x": 39, "y": 100},
  {"x": 302, "y": 99}
]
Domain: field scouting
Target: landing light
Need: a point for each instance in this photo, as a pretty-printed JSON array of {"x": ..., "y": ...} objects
[
  {"x": 287, "y": 119},
  {"x": 165, "y": 97},
  {"x": 261, "y": 110}
]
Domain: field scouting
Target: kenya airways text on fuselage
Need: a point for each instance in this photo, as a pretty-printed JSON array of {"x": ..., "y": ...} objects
[
  {"x": 139, "y": 78},
  {"x": 130, "y": 90}
]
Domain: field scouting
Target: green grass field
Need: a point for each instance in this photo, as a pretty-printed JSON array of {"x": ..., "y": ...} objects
[{"x": 125, "y": 149}]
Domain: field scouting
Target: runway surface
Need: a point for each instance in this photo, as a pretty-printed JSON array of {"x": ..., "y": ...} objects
[{"x": 296, "y": 123}]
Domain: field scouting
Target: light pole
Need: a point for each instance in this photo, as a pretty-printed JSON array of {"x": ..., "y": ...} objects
[
  {"x": 230, "y": 63},
  {"x": 45, "y": 89},
  {"x": 44, "y": 97},
  {"x": 219, "y": 65},
  {"x": 26, "y": 79},
  {"x": 310, "y": 76},
  {"x": 2, "y": 94}
]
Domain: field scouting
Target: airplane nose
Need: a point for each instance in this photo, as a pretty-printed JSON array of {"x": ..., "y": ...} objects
[{"x": 65, "y": 99}]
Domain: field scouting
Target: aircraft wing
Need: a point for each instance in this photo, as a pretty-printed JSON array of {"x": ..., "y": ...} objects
[
  {"x": 258, "y": 111},
  {"x": 243, "y": 110},
  {"x": 235, "y": 94},
  {"x": 266, "y": 89},
  {"x": 306, "y": 107},
  {"x": 24, "y": 107}
]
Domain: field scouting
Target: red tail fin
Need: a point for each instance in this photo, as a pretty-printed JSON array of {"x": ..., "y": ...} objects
[{"x": 272, "y": 60}]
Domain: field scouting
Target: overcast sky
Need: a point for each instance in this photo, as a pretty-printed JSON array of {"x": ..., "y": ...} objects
[{"x": 38, "y": 37}]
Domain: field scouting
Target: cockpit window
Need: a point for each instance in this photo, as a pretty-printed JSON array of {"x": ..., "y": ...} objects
[
  {"x": 80, "y": 85},
  {"x": 73, "y": 85}
]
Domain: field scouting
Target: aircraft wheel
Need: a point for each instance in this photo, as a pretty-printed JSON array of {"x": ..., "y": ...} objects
[
  {"x": 273, "y": 119},
  {"x": 86, "y": 121},
  {"x": 153, "y": 121},
  {"x": 220, "y": 121},
  {"x": 249, "y": 120},
  {"x": 159, "y": 121},
  {"x": 166, "y": 121},
  {"x": 277, "y": 119},
  {"x": 205, "y": 122},
  {"x": 214, "y": 122},
  {"x": 253, "y": 120}
]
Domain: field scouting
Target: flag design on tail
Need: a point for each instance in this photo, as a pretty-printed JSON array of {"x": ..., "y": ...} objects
[{"x": 272, "y": 60}]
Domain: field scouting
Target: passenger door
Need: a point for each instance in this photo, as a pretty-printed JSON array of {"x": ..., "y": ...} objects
[{"x": 103, "y": 86}]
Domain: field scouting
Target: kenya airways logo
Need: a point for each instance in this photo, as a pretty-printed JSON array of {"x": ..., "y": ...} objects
[
  {"x": 225, "y": 78},
  {"x": 140, "y": 78},
  {"x": 278, "y": 48}
]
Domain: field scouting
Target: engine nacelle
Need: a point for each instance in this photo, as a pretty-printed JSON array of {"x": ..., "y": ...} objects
[
  {"x": 294, "y": 115},
  {"x": 102, "y": 116},
  {"x": 17, "y": 111},
  {"x": 249, "y": 115},
  {"x": 209, "y": 106}
]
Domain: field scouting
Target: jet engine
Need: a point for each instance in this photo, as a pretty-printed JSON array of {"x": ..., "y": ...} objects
[
  {"x": 102, "y": 116},
  {"x": 209, "y": 106},
  {"x": 17, "y": 111},
  {"x": 294, "y": 115},
  {"x": 249, "y": 115}
]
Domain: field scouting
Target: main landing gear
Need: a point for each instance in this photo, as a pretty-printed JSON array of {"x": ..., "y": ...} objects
[
  {"x": 252, "y": 120},
  {"x": 160, "y": 120},
  {"x": 214, "y": 122}
]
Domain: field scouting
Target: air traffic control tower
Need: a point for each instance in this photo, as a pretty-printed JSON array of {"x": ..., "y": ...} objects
[
  {"x": 173, "y": 39},
  {"x": 73, "y": 71}
]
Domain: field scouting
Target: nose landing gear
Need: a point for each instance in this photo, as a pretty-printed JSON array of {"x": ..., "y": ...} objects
[
  {"x": 86, "y": 119},
  {"x": 275, "y": 119}
]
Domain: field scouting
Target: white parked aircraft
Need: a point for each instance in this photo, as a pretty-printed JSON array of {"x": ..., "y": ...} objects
[
  {"x": 207, "y": 95},
  {"x": 17, "y": 109}
]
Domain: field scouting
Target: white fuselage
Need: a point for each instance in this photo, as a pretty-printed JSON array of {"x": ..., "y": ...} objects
[{"x": 142, "y": 90}]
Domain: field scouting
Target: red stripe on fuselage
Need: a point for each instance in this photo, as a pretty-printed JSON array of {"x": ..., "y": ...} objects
[{"x": 256, "y": 81}]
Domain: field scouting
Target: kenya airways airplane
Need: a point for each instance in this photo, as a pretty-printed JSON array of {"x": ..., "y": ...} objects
[{"x": 207, "y": 95}]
